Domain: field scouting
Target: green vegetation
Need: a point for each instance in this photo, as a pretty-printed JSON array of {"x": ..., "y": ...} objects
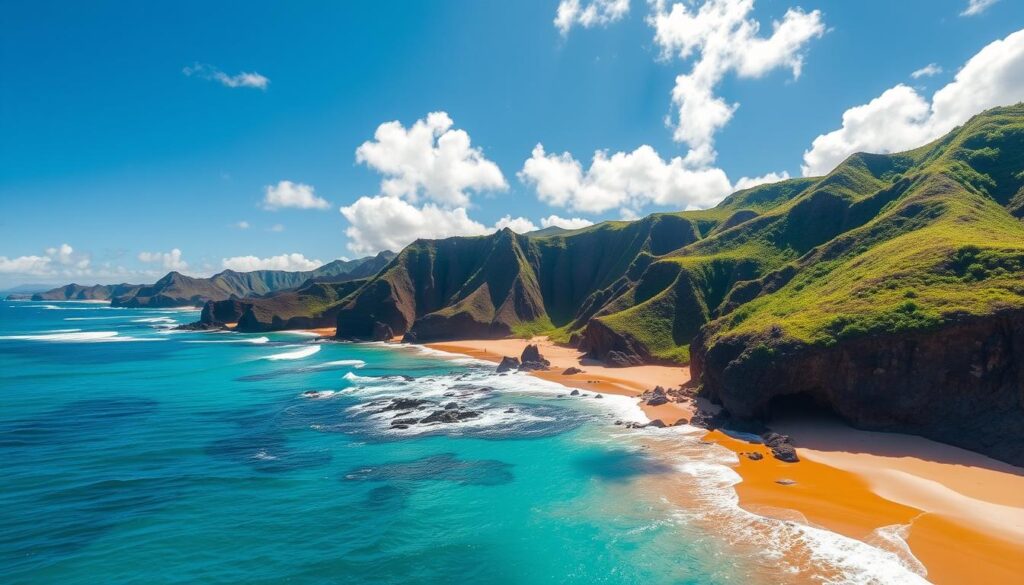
[{"x": 882, "y": 244}]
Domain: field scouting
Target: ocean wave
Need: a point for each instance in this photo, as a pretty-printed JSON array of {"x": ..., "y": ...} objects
[
  {"x": 77, "y": 337},
  {"x": 297, "y": 354},
  {"x": 154, "y": 320},
  {"x": 706, "y": 481},
  {"x": 340, "y": 364},
  {"x": 255, "y": 340},
  {"x": 93, "y": 318}
]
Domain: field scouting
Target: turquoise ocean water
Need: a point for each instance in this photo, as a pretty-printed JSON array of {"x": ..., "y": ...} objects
[{"x": 131, "y": 453}]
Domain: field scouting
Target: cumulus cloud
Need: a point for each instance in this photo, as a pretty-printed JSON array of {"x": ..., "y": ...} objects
[
  {"x": 295, "y": 195},
  {"x": 588, "y": 14},
  {"x": 748, "y": 182},
  {"x": 927, "y": 71},
  {"x": 519, "y": 225},
  {"x": 429, "y": 159},
  {"x": 167, "y": 260},
  {"x": 291, "y": 262},
  {"x": 243, "y": 79},
  {"x": 975, "y": 7},
  {"x": 624, "y": 180},
  {"x": 901, "y": 118},
  {"x": 242, "y": 225},
  {"x": 276, "y": 228},
  {"x": 389, "y": 223},
  {"x": 567, "y": 223},
  {"x": 58, "y": 260},
  {"x": 719, "y": 38}
]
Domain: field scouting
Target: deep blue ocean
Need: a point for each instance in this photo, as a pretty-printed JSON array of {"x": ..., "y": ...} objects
[{"x": 133, "y": 453}]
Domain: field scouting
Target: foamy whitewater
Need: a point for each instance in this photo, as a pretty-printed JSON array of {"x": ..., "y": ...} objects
[{"x": 223, "y": 457}]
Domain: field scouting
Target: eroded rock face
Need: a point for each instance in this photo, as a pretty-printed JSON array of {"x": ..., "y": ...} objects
[
  {"x": 961, "y": 384},
  {"x": 508, "y": 364},
  {"x": 531, "y": 359},
  {"x": 600, "y": 342}
]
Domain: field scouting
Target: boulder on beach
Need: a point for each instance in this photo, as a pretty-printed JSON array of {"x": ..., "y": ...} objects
[
  {"x": 531, "y": 359},
  {"x": 508, "y": 363}
]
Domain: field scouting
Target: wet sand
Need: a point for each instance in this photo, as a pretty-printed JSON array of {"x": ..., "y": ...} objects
[{"x": 963, "y": 512}]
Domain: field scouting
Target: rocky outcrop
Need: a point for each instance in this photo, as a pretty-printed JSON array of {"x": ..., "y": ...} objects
[
  {"x": 531, "y": 359},
  {"x": 961, "y": 383},
  {"x": 77, "y": 292},
  {"x": 781, "y": 446},
  {"x": 508, "y": 364},
  {"x": 616, "y": 349}
]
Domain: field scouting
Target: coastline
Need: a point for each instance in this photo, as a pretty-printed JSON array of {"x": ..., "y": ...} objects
[{"x": 962, "y": 514}]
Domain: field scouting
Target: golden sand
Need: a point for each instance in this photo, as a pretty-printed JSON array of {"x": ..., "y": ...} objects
[{"x": 965, "y": 511}]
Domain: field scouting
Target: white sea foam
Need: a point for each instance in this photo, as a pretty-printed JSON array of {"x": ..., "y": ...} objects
[
  {"x": 708, "y": 480},
  {"x": 296, "y": 354},
  {"x": 341, "y": 363},
  {"x": 299, "y": 333},
  {"x": 255, "y": 340},
  {"x": 154, "y": 320},
  {"x": 78, "y": 337}
]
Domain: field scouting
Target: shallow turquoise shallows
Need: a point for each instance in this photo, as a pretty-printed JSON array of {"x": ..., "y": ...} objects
[{"x": 131, "y": 453}]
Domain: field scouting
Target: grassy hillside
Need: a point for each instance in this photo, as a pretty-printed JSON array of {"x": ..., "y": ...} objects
[{"x": 883, "y": 243}]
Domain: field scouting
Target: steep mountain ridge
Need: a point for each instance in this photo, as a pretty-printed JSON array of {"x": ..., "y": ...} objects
[{"x": 875, "y": 270}]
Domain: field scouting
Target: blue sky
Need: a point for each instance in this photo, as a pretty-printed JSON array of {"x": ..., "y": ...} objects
[{"x": 119, "y": 140}]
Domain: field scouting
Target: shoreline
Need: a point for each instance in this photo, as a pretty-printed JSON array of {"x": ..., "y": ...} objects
[{"x": 962, "y": 514}]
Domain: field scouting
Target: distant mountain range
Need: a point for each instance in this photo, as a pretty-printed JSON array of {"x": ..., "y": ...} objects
[{"x": 176, "y": 289}]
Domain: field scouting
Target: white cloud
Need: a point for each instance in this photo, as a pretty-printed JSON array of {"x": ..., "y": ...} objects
[
  {"x": 291, "y": 262},
  {"x": 625, "y": 180},
  {"x": 389, "y": 223},
  {"x": 429, "y": 159},
  {"x": 31, "y": 265},
  {"x": 289, "y": 194},
  {"x": 927, "y": 71},
  {"x": 242, "y": 225},
  {"x": 244, "y": 79},
  {"x": 975, "y": 7},
  {"x": 588, "y": 14},
  {"x": 519, "y": 225},
  {"x": 168, "y": 260},
  {"x": 719, "y": 38},
  {"x": 276, "y": 228},
  {"x": 900, "y": 118},
  {"x": 748, "y": 182},
  {"x": 58, "y": 260},
  {"x": 574, "y": 223}
]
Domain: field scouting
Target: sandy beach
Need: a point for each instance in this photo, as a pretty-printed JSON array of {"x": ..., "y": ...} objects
[{"x": 963, "y": 512}]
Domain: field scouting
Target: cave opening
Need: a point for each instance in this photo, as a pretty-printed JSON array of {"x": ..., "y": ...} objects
[{"x": 799, "y": 406}]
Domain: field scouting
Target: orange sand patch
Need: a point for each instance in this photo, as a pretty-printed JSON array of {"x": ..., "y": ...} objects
[
  {"x": 322, "y": 331},
  {"x": 965, "y": 511}
]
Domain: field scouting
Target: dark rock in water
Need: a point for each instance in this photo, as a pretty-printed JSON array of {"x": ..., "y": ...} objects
[
  {"x": 449, "y": 416},
  {"x": 618, "y": 422},
  {"x": 404, "y": 422},
  {"x": 781, "y": 446},
  {"x": 574, "y": 393},
  {"x": 404, "y": 404},
  {"x": 572, "y": 370},
  {"x": 508, "y": 363},
  {"x": 509, "y": 410},
  {"x": 451, "y": 406},
  {"x": 755, "y": 456},
  {"x": 598, "y": 396},
  {"x": 399, "y": 426},
  {"x": 656, "y": 423},
  {"x": 408, "y": 378},
  {"x": 531, "y": 359},
  {"x": 680, "y": 422}
]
